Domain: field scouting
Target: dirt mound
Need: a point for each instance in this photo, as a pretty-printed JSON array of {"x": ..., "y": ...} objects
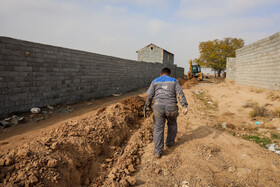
[
  {"x": 187, "y": 84},
  {"x": 181, "y": 81},
  {"x": 190, "y": 83},
  {"x": 130, "y": 157},
  {"x": 81, "y": 152}
]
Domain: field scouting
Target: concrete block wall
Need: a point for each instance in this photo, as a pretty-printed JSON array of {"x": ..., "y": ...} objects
[
  {"x": 231, "y": 63},
  {"x": 150, "y": 53},
  {"x": 168, "y": 58},
  {"x": 51, "y": 75},
  {"x": 258, "y": 64}
]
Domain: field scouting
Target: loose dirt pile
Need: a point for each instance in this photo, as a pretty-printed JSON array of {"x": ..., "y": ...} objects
[
  {"x": 181, "y": 81},
  {"x": 81, "y": 152},
  {"x": 190, "y": 83},
  {"x": 187, "y": 84}
]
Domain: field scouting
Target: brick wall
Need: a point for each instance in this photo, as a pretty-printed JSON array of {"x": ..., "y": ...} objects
[
  {"x": 258, "y": 64},
  {"x": 50, "y": 75}
]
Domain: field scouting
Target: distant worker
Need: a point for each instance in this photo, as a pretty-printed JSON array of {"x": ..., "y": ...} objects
[{"x": 165, "y": 90}]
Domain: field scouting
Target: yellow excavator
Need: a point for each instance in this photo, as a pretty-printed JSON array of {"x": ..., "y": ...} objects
[{"x": 195, "y": 71}]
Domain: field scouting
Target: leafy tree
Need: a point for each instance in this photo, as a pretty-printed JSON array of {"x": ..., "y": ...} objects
[{"x": 213, "y": 54}]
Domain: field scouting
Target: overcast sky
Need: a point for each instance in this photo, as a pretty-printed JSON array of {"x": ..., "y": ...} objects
[{"x": 121, "y": 27}]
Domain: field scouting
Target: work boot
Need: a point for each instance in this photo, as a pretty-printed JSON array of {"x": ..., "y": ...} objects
[
  {"x": 158, "y": 155},
  {"x": 169, "y": 145}
]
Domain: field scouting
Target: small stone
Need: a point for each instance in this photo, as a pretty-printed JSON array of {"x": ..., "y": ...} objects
[
  {"x": 2, "y": 162},
  {"x": 35, "y": 110},
  {"x": 23, "y": 153},
  {"x": 55, "y": 178},
  {"x": 103, "y": 165},
  {"x": 131, "y": 180},
  {"x": 88, "y": 129},
  {"x": 44, "y": 112},
  {"x": 111, "y": 176},
  {"x": 185, "y": 184},
  {"x": 21, "y": 175},
  {"x": 126, "y": 171},
  {"x": 45, "y": 140},
  {"x": 166, "y": 173},
  {"x": 32, "y": 179},
  {"x": 35, "y": 164},
  {"x": 54, "y": 146},
  {"x": 131, "y": 168},
  {"x": 124, "y": 183},
  {"x": 52, "y": 163},
  {"x": 50, "y": 107},
  {"x": 129, "y": 161},
  {"x": 114, "y": 170},
  {"x": 231, "y": 169},
  {"x": 123, "y": 166},
  {"x": 157, "y": 170},
  {"x": 224, "y": 125},
  {"x": 9, "y": 161}
]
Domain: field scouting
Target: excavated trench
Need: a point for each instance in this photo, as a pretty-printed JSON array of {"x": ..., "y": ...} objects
[{"x": 103, "y": 148}]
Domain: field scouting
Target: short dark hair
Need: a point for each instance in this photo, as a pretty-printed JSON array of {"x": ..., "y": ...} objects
[{"x": 166, "y": 71}]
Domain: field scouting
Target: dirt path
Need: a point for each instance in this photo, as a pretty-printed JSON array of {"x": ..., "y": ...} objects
[{"x": 206, "y": 156}]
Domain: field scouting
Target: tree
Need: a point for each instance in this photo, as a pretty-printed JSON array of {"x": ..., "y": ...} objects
[{"x": 213, "y": 54}]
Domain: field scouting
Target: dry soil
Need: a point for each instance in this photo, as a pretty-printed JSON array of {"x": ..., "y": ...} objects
[{"x": 111, "y": 145}]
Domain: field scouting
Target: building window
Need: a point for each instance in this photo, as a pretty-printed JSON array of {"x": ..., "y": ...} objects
[
  {"x": 168, "y": 57},
  {"x": 152, "y": 48}
]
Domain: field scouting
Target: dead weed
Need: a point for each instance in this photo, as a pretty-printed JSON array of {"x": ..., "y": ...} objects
[
  {"x": 259, "y": 111},
  {"x": 273, "y": 96}
]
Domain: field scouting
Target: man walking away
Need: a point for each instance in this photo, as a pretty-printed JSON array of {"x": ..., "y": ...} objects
[{"x": 165, "y": 90}]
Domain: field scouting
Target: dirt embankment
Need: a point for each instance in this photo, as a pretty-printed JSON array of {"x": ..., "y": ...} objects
[
  {"x": 187, "y": 84},
  {"x": 82, "y": 152}
]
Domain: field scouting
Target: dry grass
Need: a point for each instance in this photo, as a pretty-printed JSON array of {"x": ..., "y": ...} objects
[
  {"x": 268, "y": 125},
  {"x": 228, "y": 114},
  {"x": 272, "y": 95},
  {"x": 256, "y": 90},
  {"x": 259, "y": 91},
  {"x": 259, "y": 111},
  {"x": 250, "y": 104},
  {"x": 276, "y": 112}
]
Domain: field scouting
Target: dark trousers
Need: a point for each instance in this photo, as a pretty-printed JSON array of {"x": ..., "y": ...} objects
[{"x": 161, "y": 114}]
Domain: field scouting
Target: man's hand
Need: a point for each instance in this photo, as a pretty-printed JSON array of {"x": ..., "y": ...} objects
[{"x": 185, "y": 111}]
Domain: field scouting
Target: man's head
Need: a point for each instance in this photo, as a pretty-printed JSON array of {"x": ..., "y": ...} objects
[{"x": 165, "y": 71}]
